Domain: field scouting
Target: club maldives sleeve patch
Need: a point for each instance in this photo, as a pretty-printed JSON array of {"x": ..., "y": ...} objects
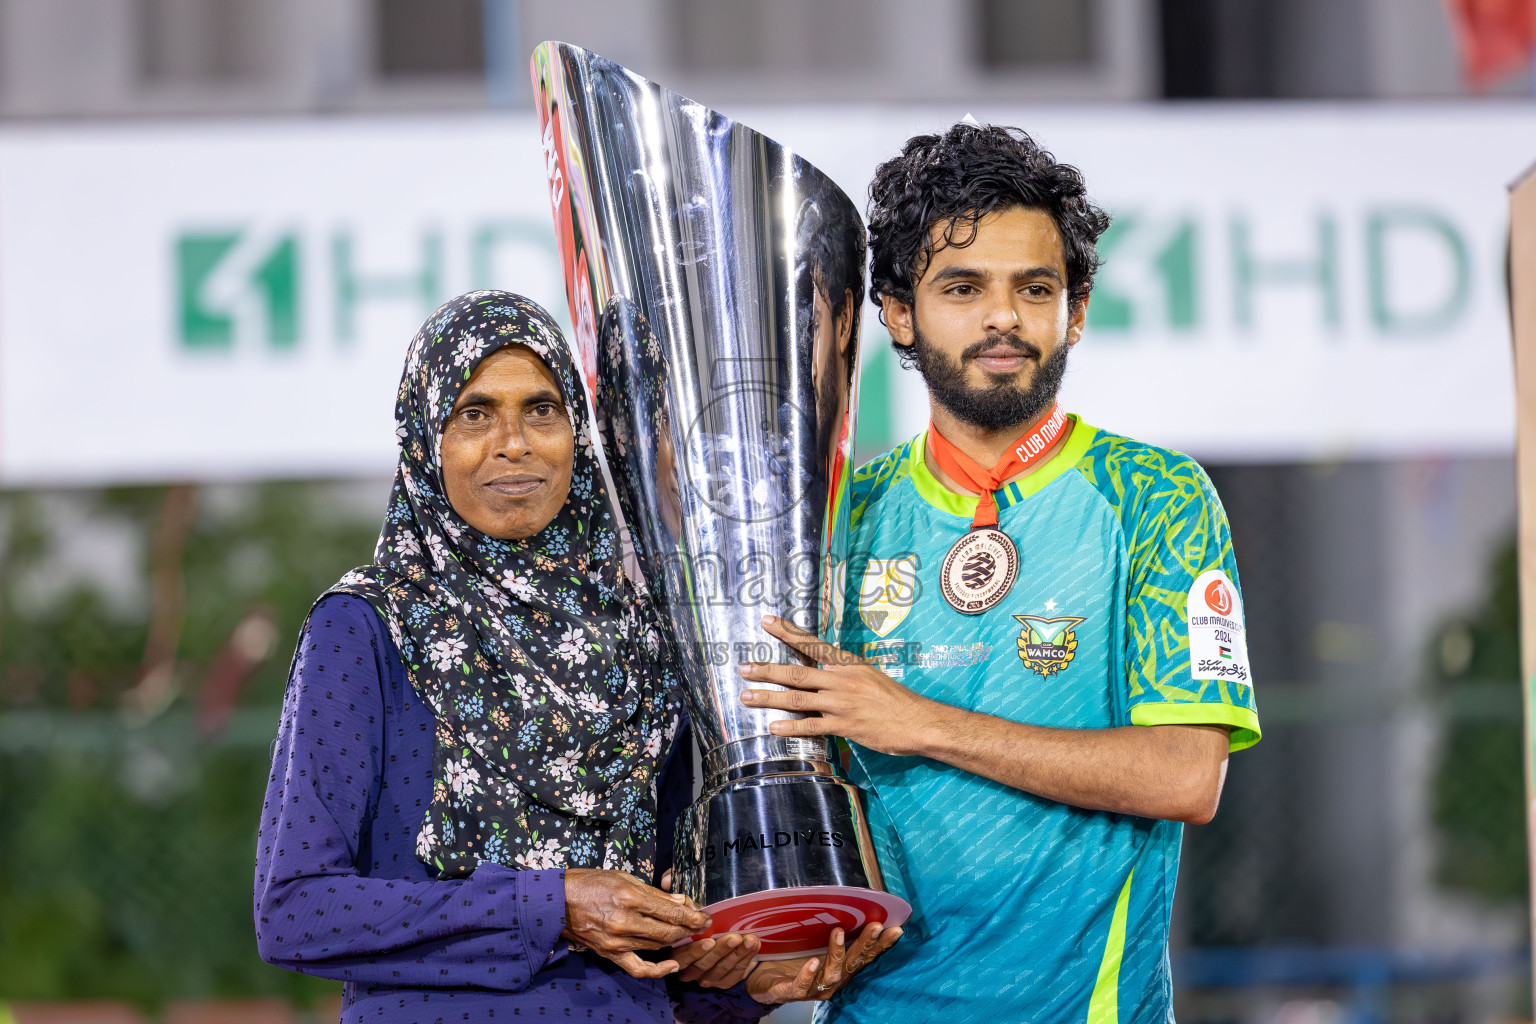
[{"x": 1218, "y": 643}]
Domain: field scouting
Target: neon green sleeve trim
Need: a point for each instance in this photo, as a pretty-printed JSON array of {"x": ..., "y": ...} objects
[{"x": 1243, "y": 722}]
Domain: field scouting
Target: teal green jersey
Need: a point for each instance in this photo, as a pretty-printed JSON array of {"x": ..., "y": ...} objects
[{"x": 1125, "y": 612}]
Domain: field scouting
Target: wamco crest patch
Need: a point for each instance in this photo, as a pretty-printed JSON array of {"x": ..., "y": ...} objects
[{"x": 1048, "y": 645}]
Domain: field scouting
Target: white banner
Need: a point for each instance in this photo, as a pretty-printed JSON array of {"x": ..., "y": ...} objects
[{"x": 232, "y": 300}]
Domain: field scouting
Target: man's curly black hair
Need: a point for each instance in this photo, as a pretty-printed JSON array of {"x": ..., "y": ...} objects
[{"x": 956, "y": 179}]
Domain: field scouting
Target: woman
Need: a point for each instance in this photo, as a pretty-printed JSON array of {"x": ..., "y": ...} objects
[{"x": 479, "y": 756}]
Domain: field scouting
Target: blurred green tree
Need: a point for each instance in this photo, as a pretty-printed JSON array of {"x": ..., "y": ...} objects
[
  {"x": 128, "y": 837},
  {"x": 1479, "y": 781}
]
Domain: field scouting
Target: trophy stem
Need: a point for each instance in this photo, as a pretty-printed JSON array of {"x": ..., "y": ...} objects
[{"x": 764, "y": 755}]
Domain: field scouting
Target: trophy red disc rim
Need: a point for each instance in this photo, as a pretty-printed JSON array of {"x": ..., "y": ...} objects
[{"x": 838, "y": 902}]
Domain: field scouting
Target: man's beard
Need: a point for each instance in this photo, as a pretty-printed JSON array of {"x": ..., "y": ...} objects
[{"x": 999, "y": 403}]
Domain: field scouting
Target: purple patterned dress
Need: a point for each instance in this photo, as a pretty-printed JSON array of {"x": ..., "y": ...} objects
[{"x": 341, "y": 894}]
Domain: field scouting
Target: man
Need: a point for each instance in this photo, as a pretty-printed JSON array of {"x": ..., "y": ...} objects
[{"x": 1056, "y": 611}]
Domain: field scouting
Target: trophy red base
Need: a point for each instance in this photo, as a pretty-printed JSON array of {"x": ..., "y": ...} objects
[
  {"x": 785, "y": 856},
  {"x": 798, "y": 922}
]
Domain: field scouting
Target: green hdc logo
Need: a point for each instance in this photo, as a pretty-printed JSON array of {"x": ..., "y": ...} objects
[
  {"x": 1414, "y": 263},
  {"x": 243, "y": 286},
  {"x": 1401, "y": 272}
]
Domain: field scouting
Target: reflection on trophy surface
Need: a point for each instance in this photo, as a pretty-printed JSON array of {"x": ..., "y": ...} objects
[{"x": 715, "y": 282}]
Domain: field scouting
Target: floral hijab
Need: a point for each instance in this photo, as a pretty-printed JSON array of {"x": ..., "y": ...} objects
[{"x": 554, "y": 698}]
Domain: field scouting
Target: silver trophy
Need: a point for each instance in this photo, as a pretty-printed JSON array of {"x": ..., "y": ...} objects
[{"x": 715, "y": 280}]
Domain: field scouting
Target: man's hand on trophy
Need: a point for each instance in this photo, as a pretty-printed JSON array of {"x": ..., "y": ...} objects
[
  {"x": 613, "y": 913},
  {"x": 819, "y": 978},
  {"x": 852, "y": 696}
]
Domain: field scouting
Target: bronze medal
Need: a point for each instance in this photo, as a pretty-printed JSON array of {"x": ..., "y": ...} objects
[{"x": 979, "y": 571}]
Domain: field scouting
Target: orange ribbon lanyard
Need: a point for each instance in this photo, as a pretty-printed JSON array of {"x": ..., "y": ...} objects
[{"x": 1030, "y": 448}]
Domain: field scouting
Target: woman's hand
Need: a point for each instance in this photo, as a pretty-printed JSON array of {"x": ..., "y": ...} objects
[
  {"x": 819, "y": 978},
  {"x": 613, "y": 913},
  {"x": 720, "y": 961}
]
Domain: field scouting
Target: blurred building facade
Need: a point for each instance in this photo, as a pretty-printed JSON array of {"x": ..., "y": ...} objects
[{"x": 108, "y": 58}]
